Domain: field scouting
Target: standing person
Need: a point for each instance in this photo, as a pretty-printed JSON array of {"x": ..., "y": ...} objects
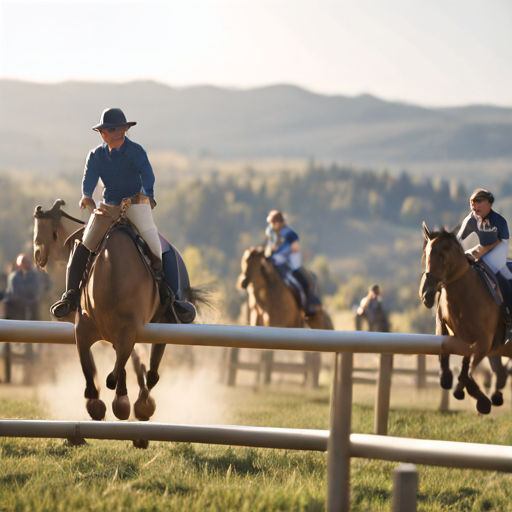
[
  {"x": 283, "y": 249},
  {"x": 126, "y": 173},
  {"x": 372, "y": 309},
  {"x": 22, "y": 293}
]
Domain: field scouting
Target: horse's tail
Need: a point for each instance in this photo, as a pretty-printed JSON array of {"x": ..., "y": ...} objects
[{"x": 205, "y": 301}]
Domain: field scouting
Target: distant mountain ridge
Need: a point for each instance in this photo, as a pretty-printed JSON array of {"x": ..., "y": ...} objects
[{"x": 48, "y": 126}]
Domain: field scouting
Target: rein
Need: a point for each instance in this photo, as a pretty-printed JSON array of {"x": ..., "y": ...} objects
[{"x": 74, "y": 219}]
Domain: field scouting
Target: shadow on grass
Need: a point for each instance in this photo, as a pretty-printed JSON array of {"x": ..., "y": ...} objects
[
  {"x": 463, "y": 498},
  {"x": 363, "y": 493},
  {"x": 244, "y": 464},
  {"x": 19, "y": 479},
  {"x": 162, "y": 487}
]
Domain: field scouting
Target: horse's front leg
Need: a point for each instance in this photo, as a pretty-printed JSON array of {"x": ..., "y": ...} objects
[
  {"x": 85, "y": 338},
  {"x": 501, "y": 373},
  {"x": 483, "y": 404},
  {"x": 123, "y": 343},
  {"x": 445, "y": 374},
  {"x": 458, "y": 392},
  {"x": 145, "y": 405},
  {"x": 157, "y": 352}
]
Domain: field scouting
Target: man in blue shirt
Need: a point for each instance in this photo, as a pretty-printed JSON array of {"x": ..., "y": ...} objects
[
  {"x": 484, "y": 235},
  {"x": 128, "y": 177},
  {"x": 283, "y": 250}
]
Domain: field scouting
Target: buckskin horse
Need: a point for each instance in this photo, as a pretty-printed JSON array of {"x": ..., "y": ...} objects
[
  {"x": 118, "y": 299},
  {"x": 467, "y": 310}
]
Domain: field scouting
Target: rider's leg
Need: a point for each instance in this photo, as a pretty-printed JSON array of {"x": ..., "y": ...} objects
[
  {"x": 142, "y": 216},
  {"x": 305, "y": 279},
  {"x": 75, "y": 272},
  {"x": 98, "y": 225}
]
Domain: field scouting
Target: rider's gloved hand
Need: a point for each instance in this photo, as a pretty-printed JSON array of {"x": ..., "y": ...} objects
[
  {"x": 87, "y": 202},
  {"x": 152, "y": 202}
]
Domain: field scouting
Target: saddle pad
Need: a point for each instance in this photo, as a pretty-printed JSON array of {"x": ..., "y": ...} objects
[
  {"x": 293, "y": 284},
  {"x": 490, "y": 280}
]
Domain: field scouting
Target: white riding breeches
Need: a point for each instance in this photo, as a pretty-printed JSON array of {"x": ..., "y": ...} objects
[
  {"x": 497, "y": 259},
  {"x": 295, "y": 260},
  {"x": 142, "y": 216}
]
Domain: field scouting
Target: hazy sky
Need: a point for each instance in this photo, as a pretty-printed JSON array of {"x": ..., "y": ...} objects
[{"x": 432, "y": 52}]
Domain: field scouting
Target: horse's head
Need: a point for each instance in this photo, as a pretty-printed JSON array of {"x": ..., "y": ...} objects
[
  {"x": 252, "y": 262},
  {"x": 46, "y": 224},
  {"x": 441, "y": 252}
]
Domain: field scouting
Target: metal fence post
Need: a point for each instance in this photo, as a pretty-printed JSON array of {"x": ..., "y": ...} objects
[
  {"x": 405, "y": 488},
  {"x": 383, "y": 394},
  {"x": 338, "y": 447}
]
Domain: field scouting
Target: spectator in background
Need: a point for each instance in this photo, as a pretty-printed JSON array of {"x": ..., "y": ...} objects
[
  {"x": 22, "y": 294},
  {"x": 371, "y": 308}
]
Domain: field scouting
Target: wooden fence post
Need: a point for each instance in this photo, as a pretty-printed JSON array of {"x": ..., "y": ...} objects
[
  {"x": 421, "y": 381},
  {"x": 383, "y": 395},
  {"x": 338, "y": 446},
  {"x": 405, "y": 488}
]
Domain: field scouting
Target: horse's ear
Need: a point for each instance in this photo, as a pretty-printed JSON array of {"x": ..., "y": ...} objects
[
  {"x": 58, "y": 204},
  {"x": 426, "y": 232},
  {"x": 38, "y": 209}
]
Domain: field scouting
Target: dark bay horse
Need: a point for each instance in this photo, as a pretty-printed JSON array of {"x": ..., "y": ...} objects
[
  {"x": 465, "y": 309},
  {"x": 271, "y": 302},
  {"x": 119, "y": 298}
]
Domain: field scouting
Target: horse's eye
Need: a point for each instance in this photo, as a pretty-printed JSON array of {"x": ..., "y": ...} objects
[{"x": 55, "y": 235}]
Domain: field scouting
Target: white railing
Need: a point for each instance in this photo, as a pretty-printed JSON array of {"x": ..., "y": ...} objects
[{"x": 341, "y": 445}]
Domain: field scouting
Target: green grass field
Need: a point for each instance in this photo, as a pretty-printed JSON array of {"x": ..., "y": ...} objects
[{"x": 51, "y": 475}]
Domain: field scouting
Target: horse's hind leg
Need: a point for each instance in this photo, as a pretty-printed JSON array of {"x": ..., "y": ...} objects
[
  {"x": 501, "y": 379},
  {"x": 145, "y": 406}
]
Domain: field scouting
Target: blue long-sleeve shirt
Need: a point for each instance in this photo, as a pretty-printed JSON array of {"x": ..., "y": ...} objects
[
  {"x": 125, "y": 172},
  {"x": 279, "y": 245}
]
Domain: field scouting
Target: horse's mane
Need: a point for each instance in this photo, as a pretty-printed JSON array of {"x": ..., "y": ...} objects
[{"x": 444, "y": 235}]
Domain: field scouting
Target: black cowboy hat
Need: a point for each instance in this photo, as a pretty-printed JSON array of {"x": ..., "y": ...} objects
[{"x": 112, "y": 117}]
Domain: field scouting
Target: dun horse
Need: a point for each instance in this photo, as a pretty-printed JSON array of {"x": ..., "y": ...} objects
[
  {"x": 119, "y": 298},
  {"x": 465, "y": 309},
  {"x": 271, "y": 302}
]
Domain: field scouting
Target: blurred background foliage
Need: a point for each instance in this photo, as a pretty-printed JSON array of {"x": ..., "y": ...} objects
[{"x": 357, "y": 227}]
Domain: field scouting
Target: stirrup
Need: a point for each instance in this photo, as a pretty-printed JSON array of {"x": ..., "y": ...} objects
[{"x": 66, "y": 305}]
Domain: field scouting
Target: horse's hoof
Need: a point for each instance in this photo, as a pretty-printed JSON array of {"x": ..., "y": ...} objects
[
  {"x": 111, "y": 381},
  {"x": 497, "y": 398},
  {"x": 459, "y": 394},
  {"x": 483, "y": 404},
  {"x": 144, "y": 409},
  {"x": 152, "y": 378},
  {"x": 446, "y": 380},
  {"x": 96, "y": 409},
  {"x": 121, "y": 407},
  {"x": 140, "y": 443}
]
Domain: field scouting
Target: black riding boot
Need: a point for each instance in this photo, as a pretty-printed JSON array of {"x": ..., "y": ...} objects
[
  {"x": 311, "y": 299},
  {"x": 75, "y": 272},
  {"x": 506, "y": 291},
  {"x": 179, "y": 311}
]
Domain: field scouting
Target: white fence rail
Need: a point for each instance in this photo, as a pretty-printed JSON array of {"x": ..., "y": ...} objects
[{"x": 340, "y": 443}]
